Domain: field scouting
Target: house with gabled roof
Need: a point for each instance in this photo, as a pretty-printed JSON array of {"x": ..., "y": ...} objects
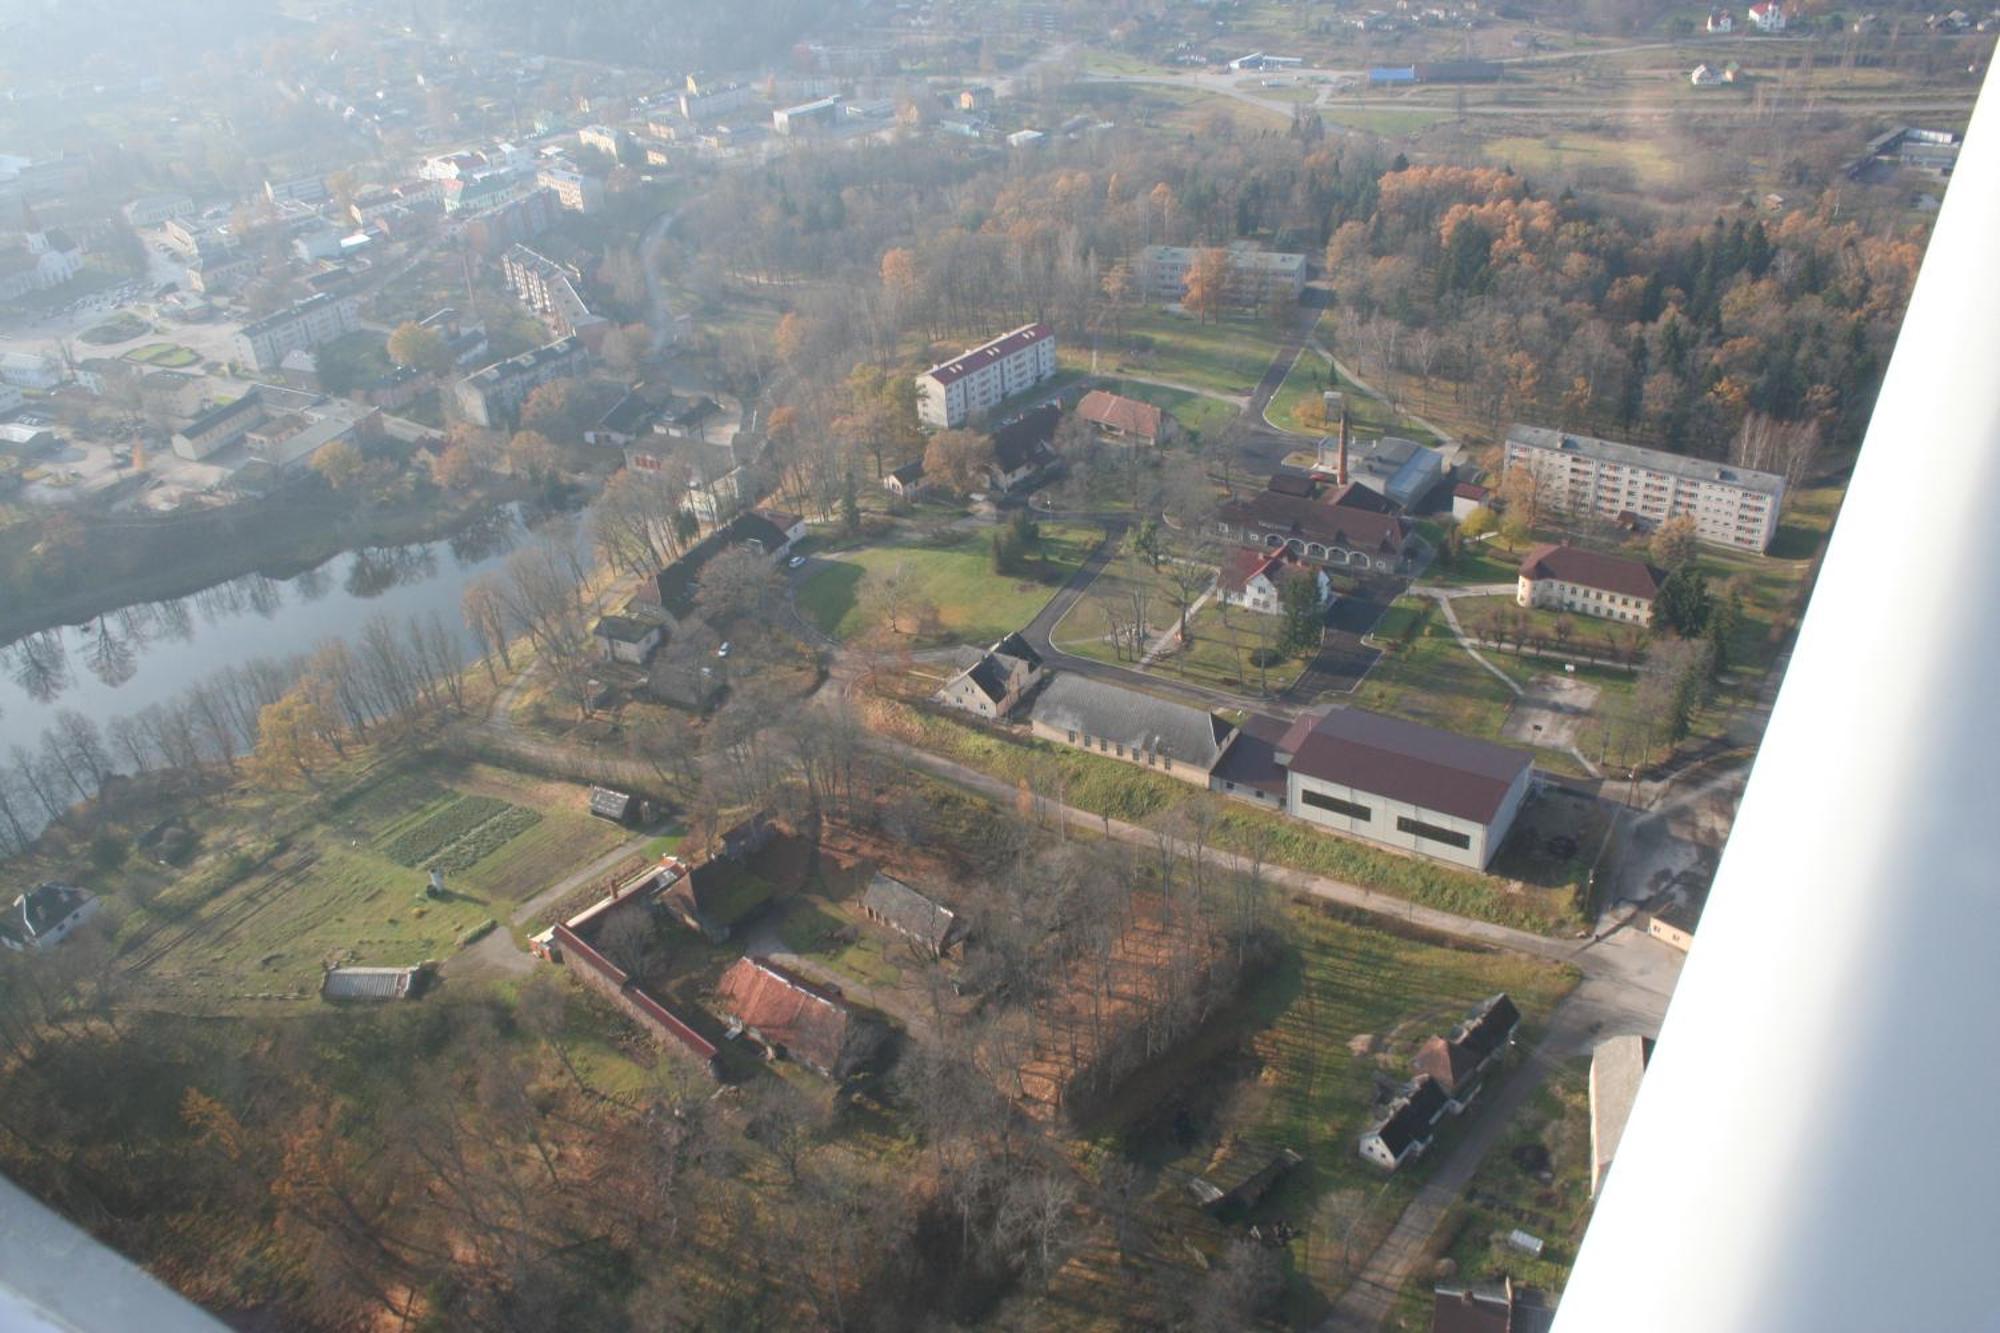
[
  {"x": 1139, "y": 728},
  {"x": 46, "y": 915},
  {"x": 792, "y": 1018},
  {"x": 894, "y": 904},
  {"x": 1254, "y": 579},
  {"x": 1122, "y": 418},
  {"x": 1459, "y": 1062},
  {"x": 1408, "y": 1128},
  {"x": 993, "y": 684},
  {"x": 1590, "y": 583}
]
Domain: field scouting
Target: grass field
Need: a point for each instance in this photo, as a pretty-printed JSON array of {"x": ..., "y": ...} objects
[
  {"x": 164, "y": 356},
  {"x": 1228, "y": 356},
  {"x": 291, "y": 882},
  {"x": 1298, "y": 397},
  {"x": 963, "y": 599},
  {"x": 1645, "y": 156},
  {"x": 1434, "y": 681},
  {"x": 1122, "y": 791},
  {"x": 1388, "y": 121}
]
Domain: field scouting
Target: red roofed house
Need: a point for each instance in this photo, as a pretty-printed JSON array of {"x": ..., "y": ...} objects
[
  {"x": 1254, "y": 579},
  {"x": 1767, "y": 16},
  {"x": 975, "y": 382},
  {"x": 789, "y": 1016},
  {"x": 1589, "y": 583},
  {"x": 1126, "y": 418}
]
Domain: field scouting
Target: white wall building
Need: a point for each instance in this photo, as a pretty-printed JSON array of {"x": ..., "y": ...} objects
[
  {"x": 45, "y": 915},
  {"x": 981, "y": 379},
  {"x": 1404, "y": 785},
  {"x": 1607, "y": 480},
  {"x": 1588, "y": 583}
]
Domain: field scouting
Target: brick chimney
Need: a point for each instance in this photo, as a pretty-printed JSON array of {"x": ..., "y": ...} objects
[{"x": 1340, "y": 471}]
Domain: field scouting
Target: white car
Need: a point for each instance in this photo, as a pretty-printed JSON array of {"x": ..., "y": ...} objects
[
  {"x": 723, "y": 651},
  {"x": 795, "y": 562}
]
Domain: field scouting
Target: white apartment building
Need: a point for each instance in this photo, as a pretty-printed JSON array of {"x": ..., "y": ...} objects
[
  {"x": 318, "y": 319},
  {"x": 575, "y": 190},
  {"x": 977, "y": 381},
  {"x": 1623, "y": 483}
]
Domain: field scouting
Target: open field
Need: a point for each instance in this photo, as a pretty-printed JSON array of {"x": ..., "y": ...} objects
[
  {"x": 955, "y": 596},
  {"x": 1644, "y": 155},
  {"x": 1432, "y": 680},
  {"x": 1123, "y": 791},
  {"x": 1299, "y": 1063},
  {"x": 287, "y": 883},
  {"x": 1296, "y": 405},
  {"x": 164, "y": 356},
  {"x": 1227, "y": 356}
]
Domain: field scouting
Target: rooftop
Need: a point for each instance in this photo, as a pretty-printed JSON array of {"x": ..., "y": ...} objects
[
  {"x": 1632, "y": 455},
  {"x": 809, "y": 1022},
  {"x": 1139, "y": 721},
  {"x": 1404, "y": 761},
  {"x": 910, "y": 912},
  {"x": 1616, "y": 1067},
  {"x": 945, "y": 372},
  {"x": 1119, "y": 413},
  {"x": 1593, "y": 569},
  {"x": 1271, "y": 261}
]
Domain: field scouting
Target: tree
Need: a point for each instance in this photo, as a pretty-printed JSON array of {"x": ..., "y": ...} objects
[
  {"x": 850, "y": 505},
  {"x": 1684, "y": 603},
  {"x": 887, "y": 592},
  {"x": 1299, "y": 611},
  {"x": 1144, "y": 541},
  {"x": 958, "y": 460},
  {"x": 420, "y": 348},
  {"x": 289, "y": 738},
  {"x": 1673, "y": 543},
  {"x": 1521, "y": 494},
  {"x": 1207, "y": 292},
  {"x": 1478, "y": 523},
  {"x": 555, "y": 410},
  {"x": 532, "y": 454},
  {"x": 456, "y": 469},
  {"x": 342, "y": 464},
  {"x": 740, "y": 581}
]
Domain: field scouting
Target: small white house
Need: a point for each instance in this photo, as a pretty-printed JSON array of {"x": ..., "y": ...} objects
[
  {"x": 1705, "y": 76},
  {"x": 627, "y": 638},
  {"x": 1767, "y": 17},
  {"x": 1720, "y": 21},
  {"x": 45, "y": 916},
  {"x": 1255, "y": 579}
]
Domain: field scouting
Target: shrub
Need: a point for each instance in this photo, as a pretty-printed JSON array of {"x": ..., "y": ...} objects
[{"x": 107, "y": 850}]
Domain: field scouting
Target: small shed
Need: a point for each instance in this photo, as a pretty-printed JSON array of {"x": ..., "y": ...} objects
[
  {"x": 617, "y": 806},
  {"x": 901, "y": 908}
]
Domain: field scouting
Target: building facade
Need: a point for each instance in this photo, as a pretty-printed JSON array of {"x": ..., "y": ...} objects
[
  {"x": 971, "y": 384},
  {"x": 1589, "y": 583},
  {"x": 1625, "y": 484},
  {"x": 493, "y": 396},
  {"x": 317, "y": 319},
  {"x": 1256, "y": 277}
]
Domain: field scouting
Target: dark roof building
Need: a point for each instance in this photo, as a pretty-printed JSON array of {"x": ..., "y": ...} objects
[
  {"x": 1085, "y": 712},
  {"x": 1489, "y": 1307},
  {"x": 1424, "y": 766},
  {"x": 901, "y": 908},
  {"x": 1408, "y": 1128},
  {"x": 43, "y": 916},
  {"x": 1593, "y": 569},
  {"x": 1328, "y": 533},
  {"x": 616, "y": 806},
  {"x": 1022, "y": 444}
]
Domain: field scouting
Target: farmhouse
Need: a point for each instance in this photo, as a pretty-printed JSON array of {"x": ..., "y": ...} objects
[
  {"x": 1408, "y": 1129},
  {"x": 1402, "y": 784},
  {"x": 1569, "y": 578},
  {"x": 44, "y": 916},
  {"x": 905, "y": 482},
  {"x": 1139, "y": 728},
  {"x": 1254, "y": 579},
  {"x": 792, "y": 1018},
  {"x": 1458, "y": 1063},
  {"x": 627, "y": 638},
  {"x": 902, "y": 909},
  {"x": 1124, "y": 418},
  {"x": 996, "y": 681},
  {"x": 1022, "y": 447}
]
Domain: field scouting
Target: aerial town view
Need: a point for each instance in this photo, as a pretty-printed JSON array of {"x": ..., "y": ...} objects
[{"x": 901, "y": 665}]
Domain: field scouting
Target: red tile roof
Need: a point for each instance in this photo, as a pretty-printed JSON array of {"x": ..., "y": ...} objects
[
  {"x": 999, "y": 349},
  {"x": 1128, "y": 416},
  {"x": 1593, "y": 569},
  {"x": 807, "y": 1020}
]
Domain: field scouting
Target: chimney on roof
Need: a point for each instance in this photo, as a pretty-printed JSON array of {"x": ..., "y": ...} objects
[{"x": 1340, "y": 471}]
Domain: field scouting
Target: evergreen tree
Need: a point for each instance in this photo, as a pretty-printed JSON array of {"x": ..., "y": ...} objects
[
  {"x": 1298, "y": 605},
  {"x": 850, "y": 507},
  {"x": 1684, "y": 603}
]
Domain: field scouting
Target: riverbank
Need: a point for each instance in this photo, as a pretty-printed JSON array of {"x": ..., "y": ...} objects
[{"x": 119, "y": 562}]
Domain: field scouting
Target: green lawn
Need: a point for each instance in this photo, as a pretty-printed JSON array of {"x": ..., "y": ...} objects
[
  {"x": 1126, "y": 792},
  {"x": 956, "y": 596},
  {"x": 339, "y": 875},
  {"x": 1206, "y": 417},
  {"x": 164, "y": 356},
  {"x": 1478, "y": 562},
  {"x": 1368, "y": 416},
  {"x": 1434, "y": 681},
  {"x": 1086, "y": 630},
  {"x": 1389, "y": 122},
  {"x": 1228, "y": 356},
  {"x": 1223, "y": 654}
]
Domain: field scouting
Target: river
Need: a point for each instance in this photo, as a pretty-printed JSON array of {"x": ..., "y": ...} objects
[{"x": 118, "y": 663}]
